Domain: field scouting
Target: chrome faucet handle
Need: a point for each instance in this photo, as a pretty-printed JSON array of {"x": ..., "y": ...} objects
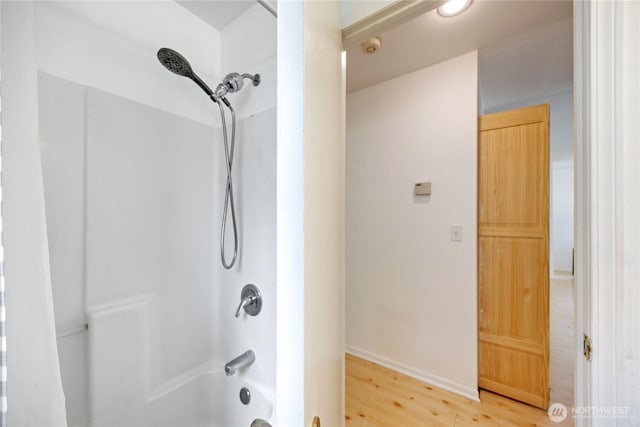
[
  {"x": 244, "y": 303},
  {"x": 250, "y": 300}
]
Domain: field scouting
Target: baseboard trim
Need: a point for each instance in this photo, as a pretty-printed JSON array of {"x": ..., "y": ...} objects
[
  {"x": 435, "y": 380},
  {"x": 557, "y": 276}
]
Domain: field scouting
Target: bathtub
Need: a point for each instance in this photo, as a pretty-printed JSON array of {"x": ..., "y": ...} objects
[
  {"x": 201, "y": 397},
  {"x": 127, "y": 390},
  {"x": 209, "y": 398}
]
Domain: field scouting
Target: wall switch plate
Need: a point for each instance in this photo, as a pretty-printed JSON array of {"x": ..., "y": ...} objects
[
  {"x": 422, "y": 189},
  {"x": 456, "y": 233}
]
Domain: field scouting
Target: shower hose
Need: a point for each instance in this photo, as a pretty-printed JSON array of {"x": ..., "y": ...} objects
[{"x": 228, "y": 195}]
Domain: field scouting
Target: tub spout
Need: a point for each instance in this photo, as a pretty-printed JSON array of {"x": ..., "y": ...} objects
[{"x": 245, "y": 359}]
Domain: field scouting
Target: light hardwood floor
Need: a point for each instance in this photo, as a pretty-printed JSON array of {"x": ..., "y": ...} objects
[
  {"x": 377, "y": 396},
  {"x": 562, "y": 338}
]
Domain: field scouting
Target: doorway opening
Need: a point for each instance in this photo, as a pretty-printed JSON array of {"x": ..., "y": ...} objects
[
  {"x": 532, "y": 68},
  {"x": 409, "y": 306}
]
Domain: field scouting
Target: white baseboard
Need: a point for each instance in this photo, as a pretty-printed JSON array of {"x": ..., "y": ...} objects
[
  {"x": 562, "y": 274},
  {"x": 435, "y": 380}
]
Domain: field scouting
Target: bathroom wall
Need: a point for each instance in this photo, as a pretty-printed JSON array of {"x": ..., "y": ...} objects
[
  {"x": 122, "y": 231},
  {"x": 411, "y": 293},
  {"x": 150, "y": 278},
  {"x": 254, "y": 178},
  {"x": 62, "y": 148},
  {"x": 117, "y": 51},
  {"x": 129, "y": 199},
  {"x": 145, "y": 188}
]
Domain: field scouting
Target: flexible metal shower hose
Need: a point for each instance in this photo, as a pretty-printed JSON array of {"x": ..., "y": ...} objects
[{"x": 228, "y": 196}]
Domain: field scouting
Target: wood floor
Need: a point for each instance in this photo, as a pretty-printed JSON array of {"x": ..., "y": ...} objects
[
  {"x": 562, "y": 338},
  {"x": 377, "y": 396}
]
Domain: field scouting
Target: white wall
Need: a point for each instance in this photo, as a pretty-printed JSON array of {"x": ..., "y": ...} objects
[
  {"x": 411, "y": 291},
  {"x": 62, "y": 135},
  {"x": 248, "y": 45},
  {"x": 324, "y": 224},
  {"x": 112, "y": 46},
  {"x": 62, "y": 148},
  {"x": 251, "y": 51},
  {"x": 290, "y": 350},
  {"x": 310, "y": 222},
  {"x": 562, "y": 216},
  {"x": 136, "y": 184},
  {"x": 149, "y": 209},
  {"x": 255, "y": 195}
]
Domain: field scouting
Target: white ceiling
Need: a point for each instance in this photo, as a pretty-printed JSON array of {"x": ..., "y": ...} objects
[
  {"x": 524, "y": 48},
  {"x": 217, "y": 13}
]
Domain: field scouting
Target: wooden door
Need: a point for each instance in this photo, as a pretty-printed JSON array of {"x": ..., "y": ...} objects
[{"x": 513, "y": 250}]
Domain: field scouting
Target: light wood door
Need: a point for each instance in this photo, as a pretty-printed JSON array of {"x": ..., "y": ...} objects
[{"x": 513, "y": 250}]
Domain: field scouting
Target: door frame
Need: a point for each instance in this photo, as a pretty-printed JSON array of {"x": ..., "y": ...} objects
[
  {"x": 581, "y": 141},
  {"x": 606, "y": 97}
]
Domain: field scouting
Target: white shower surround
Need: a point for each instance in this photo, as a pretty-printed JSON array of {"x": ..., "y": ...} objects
[{"x": 113, "y": 312}]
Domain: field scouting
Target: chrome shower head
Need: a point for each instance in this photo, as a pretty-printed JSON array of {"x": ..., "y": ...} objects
[{"x": 179, "y": 65}]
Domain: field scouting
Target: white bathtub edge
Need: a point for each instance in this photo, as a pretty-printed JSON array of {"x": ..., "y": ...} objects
[{"x": 180, "y": 380}]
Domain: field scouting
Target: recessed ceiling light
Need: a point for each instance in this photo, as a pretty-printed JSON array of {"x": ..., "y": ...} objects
[{"x": 454, "y": 7}]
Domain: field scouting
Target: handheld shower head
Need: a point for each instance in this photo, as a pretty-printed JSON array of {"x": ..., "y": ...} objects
[
  {"x": 175, "y": 62},
  {"x": 233, "y": 82},
  {"x": 179, "y": 65}
]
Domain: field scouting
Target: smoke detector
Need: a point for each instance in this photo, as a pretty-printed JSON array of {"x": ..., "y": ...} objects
[{"x": 371, "y": 46}]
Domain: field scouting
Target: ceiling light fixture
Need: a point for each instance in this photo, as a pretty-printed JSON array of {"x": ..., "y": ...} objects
[{"x": 453, "y": 7}]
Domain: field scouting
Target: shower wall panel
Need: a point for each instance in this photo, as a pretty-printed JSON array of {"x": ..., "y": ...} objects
[
  {"x": 149, "y": 227},
  {"x": 117, "y": 47},
  {"x": 62, "y": 132},
  {"x": 130, "y": 215},
  {"x": 255, "y": 187},
  {"x": 248, "y": 45}
]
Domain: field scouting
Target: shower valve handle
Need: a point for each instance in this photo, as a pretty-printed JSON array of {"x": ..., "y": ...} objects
[
  {"x": 244, "y": 303},
  {"x": 250, "y": 300}
]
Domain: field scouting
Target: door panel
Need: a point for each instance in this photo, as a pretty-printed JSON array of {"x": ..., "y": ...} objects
[
  {"x": 511, "y": 192},
  {"x": 513, "y": 248},
  {"x": 512, "y": 273}
]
